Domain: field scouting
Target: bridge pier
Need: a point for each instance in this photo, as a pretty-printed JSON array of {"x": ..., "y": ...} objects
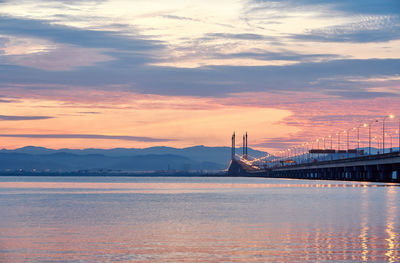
[{"x": 396, "y": 176}]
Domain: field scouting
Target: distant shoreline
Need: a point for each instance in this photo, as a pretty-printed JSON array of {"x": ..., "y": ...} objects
[{"x": 117, "y": 174}]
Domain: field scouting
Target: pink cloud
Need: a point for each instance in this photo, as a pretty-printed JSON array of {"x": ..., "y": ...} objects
[
  {"x": 318, "y": 116},
  {"x": 312, "y": 115}
]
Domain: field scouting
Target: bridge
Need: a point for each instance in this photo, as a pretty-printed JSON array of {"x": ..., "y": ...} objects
[{"x": 323, "y": 164}]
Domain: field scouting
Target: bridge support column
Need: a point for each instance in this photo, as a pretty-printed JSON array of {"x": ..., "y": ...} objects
[
  {"x": 373, "y": 173},
  {"x": 385, "y": 172},
  {"x": 347, "y": 173},
  {"x": 396, "y": 168}
]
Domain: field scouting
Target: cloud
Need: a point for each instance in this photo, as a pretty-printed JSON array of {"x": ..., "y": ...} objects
[
  {"x": 87, "y": 136},
  {"x": 279, "y": 142},
  {"x": 217, "y": 81},
  {"x": 89, "y": 112},
  {"x": 23, "y": 118},
  {"x": 4, "y": 41},
  {"x": 75, "y": 36},
  {"x": 371, "y": 29},
  {"x": 130, "y": 67},
  {"x": 7, "y": 101},
  {"x": 241, "y": 36},
  {"x": 61, "y": 58},
  {"x": 283, "y": 55},
  {"x": 349, "y": 118},
  {"x": 69, "y": 47},
  {"x": 368, "y": 7},
  {"x": 180, "y": 18}
]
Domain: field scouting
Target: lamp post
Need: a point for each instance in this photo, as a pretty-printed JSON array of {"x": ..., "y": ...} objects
[
  {"x": 358, "y": 140},
  {"x": 338, "y": 154},
  {"x": 369, "y": 136},
  {"x": 358, "y": 136},
  {"x": 391, "y": 141},
  {"x": 293, "y": 155},
  {"x": 312, "y": 147},
  {"x": 391, "y": 116},
  {"x": 353, "y": 141},
  {"x": 347, "y": 131},
  {"x": 378, "y": 141}
]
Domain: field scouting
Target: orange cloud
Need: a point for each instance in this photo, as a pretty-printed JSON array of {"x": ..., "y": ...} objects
[
  {"x": 173, "y": 121},
  {"x": 272, "y": 120}
]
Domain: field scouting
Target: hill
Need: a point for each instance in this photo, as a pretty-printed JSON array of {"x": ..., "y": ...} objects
[{"x": 131, "y": 159}]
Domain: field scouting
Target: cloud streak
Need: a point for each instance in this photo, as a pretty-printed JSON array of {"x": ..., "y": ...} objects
[
  {"x": 75, "y": 36},
  {"x": 23, "y": 118},
  {"x": 87, "y": 136},
  {"x": 375, "y": 29},
  {"x": 370, "y": 7}
]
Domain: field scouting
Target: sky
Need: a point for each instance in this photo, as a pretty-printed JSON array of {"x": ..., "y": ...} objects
[{"x": 142, "y": 73}]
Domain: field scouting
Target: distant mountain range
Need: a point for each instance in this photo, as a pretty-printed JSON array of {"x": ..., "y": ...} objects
[{"x": 32, "y": 158}]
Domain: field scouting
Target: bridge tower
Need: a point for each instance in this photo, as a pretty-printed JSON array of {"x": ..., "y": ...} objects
[
  {"x": 246, "y": 147},
  {"x": 233, "y": 145}
]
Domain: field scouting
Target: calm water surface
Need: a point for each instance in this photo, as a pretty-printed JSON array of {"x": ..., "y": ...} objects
[{"x": 139, "y": 219}]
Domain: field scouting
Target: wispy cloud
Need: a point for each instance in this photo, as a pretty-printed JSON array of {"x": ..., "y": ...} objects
[
  {"x": 370, "y": 7},
  {"x": 279, "y": 142},
  {"x": 87, "y": 136},
  {"x": 283, "y": 55},
  {"x": 7, "y": 101},
  {"x": 242, "y": 36},
  {"x": 370, "y": 29},
  {"x": 23, "y": 118},
  {"x": 181, "y": 18},
  {"x": 89, "y": 112},
  {"x": 61, "y": 58}
]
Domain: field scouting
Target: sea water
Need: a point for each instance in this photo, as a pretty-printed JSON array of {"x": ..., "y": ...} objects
[{"x": 197, "y": 219}]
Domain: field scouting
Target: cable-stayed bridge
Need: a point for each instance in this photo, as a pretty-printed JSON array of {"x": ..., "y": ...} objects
[{"x": 330, "y": 164}]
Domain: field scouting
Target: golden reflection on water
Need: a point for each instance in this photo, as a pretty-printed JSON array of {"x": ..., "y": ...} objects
[
  {"x": 364, "y": 225},
  {"x": 392, "y": 252}
]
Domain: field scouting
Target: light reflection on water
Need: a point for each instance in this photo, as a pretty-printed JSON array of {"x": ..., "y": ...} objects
[{"x": 197, "y": 220}]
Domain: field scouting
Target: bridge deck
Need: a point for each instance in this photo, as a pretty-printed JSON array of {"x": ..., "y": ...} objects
[{"x": 381, "y": 168}]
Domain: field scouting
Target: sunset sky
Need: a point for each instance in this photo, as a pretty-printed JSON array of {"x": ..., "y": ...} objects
[{"x": 141, "y": 73}]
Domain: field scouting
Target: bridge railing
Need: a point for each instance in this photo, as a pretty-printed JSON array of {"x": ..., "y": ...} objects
[{"x": 308, "y": 160}]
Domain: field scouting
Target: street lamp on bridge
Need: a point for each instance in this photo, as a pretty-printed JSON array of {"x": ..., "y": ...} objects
[
  {"x": 347, "y": 131},
  {"x": 358, "y": 135},
  {"x": 391, "y": 116},
  {"x": 391, "y": 140},
  {"x": 369, "y": 136}
]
